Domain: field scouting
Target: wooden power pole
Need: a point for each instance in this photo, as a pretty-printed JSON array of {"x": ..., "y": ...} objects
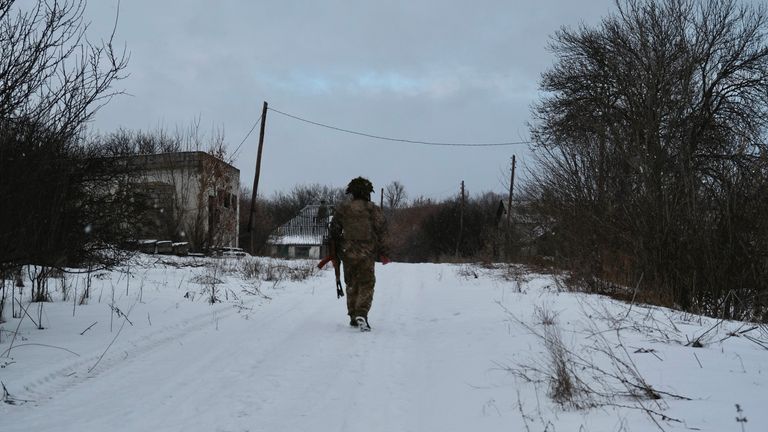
[
  {"x": 461, "y": 220},
  {"x": 252, "y": 216},
  {"x": 381, "y": 205},
  {"x": 511, "y": 187},
  {"x": 508, "y": 233}
]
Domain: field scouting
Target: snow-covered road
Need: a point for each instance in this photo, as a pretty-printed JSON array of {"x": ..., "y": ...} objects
[
  {"x": 295, "y": 365},
  {"x": 438, "y": 359}
]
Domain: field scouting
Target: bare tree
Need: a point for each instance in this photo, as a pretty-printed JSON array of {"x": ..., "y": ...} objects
[
  {"x": 651, "y": 150},
  {"x": 52, "y": 81},
  {"x": 51, "y": 75},
  {"x": 394, "y": 195}
]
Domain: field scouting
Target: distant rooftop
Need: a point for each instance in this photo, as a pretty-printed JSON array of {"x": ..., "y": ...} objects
[
  {"x": 309, "y": 227},
  {"x": 175, "y": 159}
]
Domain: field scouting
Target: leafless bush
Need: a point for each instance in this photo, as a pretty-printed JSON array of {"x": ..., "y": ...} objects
[
  {"x": 657, "y": 324},
  {"x": 230, "y": 266},
  {"x": 591, "y": 375},
  {"x": 65, "y": 287},
  {"x": 251, "y": 269},
  {"x": 276, "y": 271},
  {"x": 39, "y": 276},
  {"x": 86, "y": 293},
  {"x": 563, "y": 383},
  {"x": 210, "y": 280},
  {"x": 303, "y": 272},
  {"x": 467, "y": 271},
  {"x": 207, "y": 278},
  {"x": 254, "y": 272},
  {"x": 651, "y": 148},
  {"x": 559, "y": 370},
  {"x": 254, "y": 288},
  {"x": 212, "y": 286},
  {"x": 3, "y": 284},
  {"x": 54, "y": 78},
  {"x": 514, "y": 272},
  {"x": 545, "y": 316}
]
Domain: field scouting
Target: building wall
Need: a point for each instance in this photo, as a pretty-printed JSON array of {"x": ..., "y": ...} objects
[
  {"x": 204, "y": 201},
  {"x": 298, "y": 251}
]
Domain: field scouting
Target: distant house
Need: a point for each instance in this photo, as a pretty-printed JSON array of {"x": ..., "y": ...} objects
[
  {"x": 304, "y": 236},
  {"x": 192, "y": 198}
]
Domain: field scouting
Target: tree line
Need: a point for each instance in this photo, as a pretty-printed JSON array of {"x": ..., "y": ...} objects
[
  {"x": 58, "y": 204},
  {"x": 420, "y": 230}
]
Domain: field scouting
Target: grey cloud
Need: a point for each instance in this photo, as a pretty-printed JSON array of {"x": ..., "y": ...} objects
[{"x": 433, "y": 70}]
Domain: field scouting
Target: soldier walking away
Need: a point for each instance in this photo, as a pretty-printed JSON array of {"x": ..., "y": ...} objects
[{"x": 358, "y": 230}]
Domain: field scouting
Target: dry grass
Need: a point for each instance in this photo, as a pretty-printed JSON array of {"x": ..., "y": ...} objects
[
  {"x": 599, "y": 372},
  {"x": 563, "y": 382},
  {"x": 544, "y": 316}
]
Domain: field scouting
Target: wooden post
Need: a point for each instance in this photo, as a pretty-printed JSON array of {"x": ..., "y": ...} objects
[
  {"x": 508, "y": 234},
  {"x": 381, "y": 205},
  {"x": 252, "y": 216},
  {"x": 461, "y": 220},
  {"x": 511, "y": 187}
]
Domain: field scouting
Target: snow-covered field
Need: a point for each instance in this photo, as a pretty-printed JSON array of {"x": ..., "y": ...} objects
[{"x": 453, "y": 348}]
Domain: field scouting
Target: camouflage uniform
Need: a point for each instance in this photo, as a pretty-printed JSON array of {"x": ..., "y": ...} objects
[{"x": 358, "y": 228}]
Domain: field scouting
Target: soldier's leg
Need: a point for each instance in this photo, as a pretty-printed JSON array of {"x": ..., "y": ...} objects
[
  {"x": 351, "y": 288},
  {"x": 366, "y": 279}
]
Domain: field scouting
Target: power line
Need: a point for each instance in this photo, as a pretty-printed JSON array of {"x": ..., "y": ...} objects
[
  {"x": 256, "y": 123},
  {"x": 431, "y": 143}
]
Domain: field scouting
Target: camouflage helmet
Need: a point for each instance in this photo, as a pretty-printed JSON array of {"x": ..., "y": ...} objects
[{"x": 360, "y": 187}]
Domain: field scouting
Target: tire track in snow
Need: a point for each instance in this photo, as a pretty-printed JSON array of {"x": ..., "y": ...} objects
[
  {"x": 180, "y": 385},
  {"x": 76, "y": 372}
]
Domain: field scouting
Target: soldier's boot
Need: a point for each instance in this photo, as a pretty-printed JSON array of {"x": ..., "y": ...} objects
[{"x": 362, "y": 324}]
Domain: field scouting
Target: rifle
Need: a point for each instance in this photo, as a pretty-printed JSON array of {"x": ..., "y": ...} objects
[{"x": 333, "y": 257}]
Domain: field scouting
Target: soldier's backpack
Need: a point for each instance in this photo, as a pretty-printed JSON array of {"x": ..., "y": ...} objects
[{"x": 358, "y": 226}]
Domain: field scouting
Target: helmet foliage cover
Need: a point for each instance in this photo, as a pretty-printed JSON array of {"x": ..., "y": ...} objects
[{"x": 360, "y": 187}]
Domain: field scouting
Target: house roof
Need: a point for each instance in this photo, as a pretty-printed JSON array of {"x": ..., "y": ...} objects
[
  {"x": 309, "y": 227},
  {"x": 181, "y": 159}
]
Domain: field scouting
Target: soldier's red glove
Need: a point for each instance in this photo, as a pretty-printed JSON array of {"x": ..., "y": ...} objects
[{"x": 384, "y": 260}]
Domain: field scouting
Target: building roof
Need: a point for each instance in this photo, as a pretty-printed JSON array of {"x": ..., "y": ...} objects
[
  {"x": 181, "y": 159},
  {"x": 309, "y": 227}
]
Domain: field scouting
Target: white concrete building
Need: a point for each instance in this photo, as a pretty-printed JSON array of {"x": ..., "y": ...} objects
[{"x": 193, "y": 198}]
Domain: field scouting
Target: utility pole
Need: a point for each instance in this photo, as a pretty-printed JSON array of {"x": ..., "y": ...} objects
[
  {"x": 252, "y": 217},
  {"x": 461, "y": 219},
  {"x": 511, "y": 187},
  {"x": 508, "y": 234},
  {"x": 381, "y": 206}
]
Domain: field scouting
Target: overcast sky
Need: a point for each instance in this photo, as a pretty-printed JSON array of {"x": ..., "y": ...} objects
[{"x": 446, "y": 71}]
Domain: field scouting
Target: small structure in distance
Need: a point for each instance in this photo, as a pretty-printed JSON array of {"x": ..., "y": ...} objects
[{"x": 304, "y": 236}]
